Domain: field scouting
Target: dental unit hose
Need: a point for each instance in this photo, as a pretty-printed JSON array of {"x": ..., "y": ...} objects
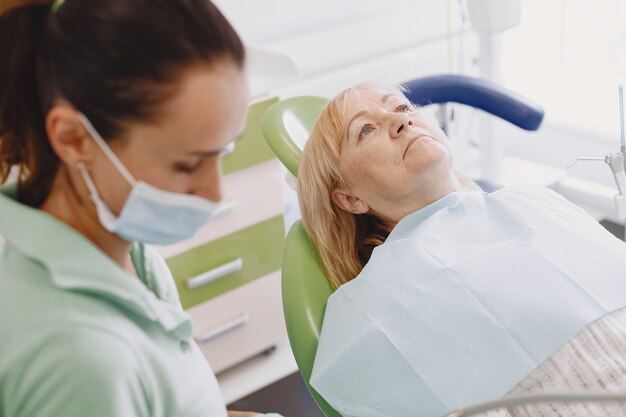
[
  {"x": 621, "y": 116},
  {"x": 619, "y": 200},
  {"x": 555, "y": 397}
]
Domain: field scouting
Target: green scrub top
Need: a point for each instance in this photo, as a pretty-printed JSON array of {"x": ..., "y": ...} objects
[{"x": 80, "y": 337}]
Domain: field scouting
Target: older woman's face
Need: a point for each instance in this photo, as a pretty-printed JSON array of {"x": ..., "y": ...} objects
[{"x": 389, "y": 152}]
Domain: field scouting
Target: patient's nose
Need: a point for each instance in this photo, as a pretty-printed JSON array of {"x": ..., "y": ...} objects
[{"x": 398, "y": 126}]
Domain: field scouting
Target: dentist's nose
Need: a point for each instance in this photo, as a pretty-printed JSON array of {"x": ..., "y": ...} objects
[
  {"x": 211, "y": 191},
  {"x": 211, "y": 186}
]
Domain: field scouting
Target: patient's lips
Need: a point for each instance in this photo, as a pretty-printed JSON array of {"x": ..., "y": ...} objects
[{"x": 413, "y": 139}]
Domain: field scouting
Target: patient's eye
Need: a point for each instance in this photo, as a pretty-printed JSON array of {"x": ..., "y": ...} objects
[
  {"x": 402, "y": 108},
  {"x": 365, "y": 130}
]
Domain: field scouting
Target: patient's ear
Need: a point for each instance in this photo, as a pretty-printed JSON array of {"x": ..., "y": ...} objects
[{"x": 349, "y": 202}]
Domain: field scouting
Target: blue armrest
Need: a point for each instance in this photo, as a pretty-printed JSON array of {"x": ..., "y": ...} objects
[{"x": 478, "y": 93}]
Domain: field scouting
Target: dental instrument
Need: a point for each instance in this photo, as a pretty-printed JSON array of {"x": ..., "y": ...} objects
[{"x": 617, "y": 163}]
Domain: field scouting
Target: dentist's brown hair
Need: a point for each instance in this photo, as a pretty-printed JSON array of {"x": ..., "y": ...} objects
[{"x": 114, "y": 60}]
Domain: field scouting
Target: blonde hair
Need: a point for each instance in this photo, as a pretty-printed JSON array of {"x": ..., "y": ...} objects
[{"x": 344, "y": 241}]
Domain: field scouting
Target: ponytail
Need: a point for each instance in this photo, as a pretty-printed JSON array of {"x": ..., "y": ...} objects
[
  {"x": 116, "y": 61},
  {"x": 23, "y": 141}
]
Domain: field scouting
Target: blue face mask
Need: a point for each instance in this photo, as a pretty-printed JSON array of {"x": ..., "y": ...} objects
[{"x": 149, "y": 215}]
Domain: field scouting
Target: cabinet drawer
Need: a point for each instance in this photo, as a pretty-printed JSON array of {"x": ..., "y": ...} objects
[
  {"x": 250, "y": 147},
  {"x": 241, "y": 323},
  {"x": 223, "y": 264}
]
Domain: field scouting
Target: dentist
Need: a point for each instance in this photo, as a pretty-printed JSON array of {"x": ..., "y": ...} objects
[{"x": 114, "y": 115}]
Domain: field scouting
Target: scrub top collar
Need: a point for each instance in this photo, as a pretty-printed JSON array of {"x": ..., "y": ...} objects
[{"x": 76, "y": 264}]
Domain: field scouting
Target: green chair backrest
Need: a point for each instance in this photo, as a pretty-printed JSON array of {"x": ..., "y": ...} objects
[{"x": 286, "y": 126}]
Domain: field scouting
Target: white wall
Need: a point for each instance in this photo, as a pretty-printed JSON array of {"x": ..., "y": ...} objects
[{"x": 303, "y": 47}]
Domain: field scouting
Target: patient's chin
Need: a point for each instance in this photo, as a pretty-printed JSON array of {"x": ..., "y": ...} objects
[{"x": 426, "y": 155}]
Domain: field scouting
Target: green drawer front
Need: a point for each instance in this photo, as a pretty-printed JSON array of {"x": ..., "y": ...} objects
[
  {"x": 259, "y": 246},
  {"x": 251, "y": 147}
]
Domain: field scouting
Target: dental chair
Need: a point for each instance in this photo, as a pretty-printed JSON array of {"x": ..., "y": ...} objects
[{"x": 286, "y": 126}]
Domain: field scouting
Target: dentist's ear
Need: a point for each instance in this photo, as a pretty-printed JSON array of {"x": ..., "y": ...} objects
[
  {"x": 349, "y": 203},
  {"x": 68, "y": 138}
]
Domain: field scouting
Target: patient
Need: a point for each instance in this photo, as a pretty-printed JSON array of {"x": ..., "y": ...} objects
[{"x": 447, "y": 296}]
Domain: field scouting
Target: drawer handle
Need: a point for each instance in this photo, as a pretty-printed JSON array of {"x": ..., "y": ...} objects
[
  {"x": 215, "y": 273},
  {"x": 225, "y": 328},
  {"x": 225, "y": 208}
]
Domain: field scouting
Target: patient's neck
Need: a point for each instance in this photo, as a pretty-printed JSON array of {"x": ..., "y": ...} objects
[{"x": 427, "y": 194}]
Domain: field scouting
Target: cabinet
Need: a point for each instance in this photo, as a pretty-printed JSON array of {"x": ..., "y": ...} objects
[{"x": 228, "y": 275}]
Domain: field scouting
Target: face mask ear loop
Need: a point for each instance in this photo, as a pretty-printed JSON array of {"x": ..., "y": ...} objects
[
  {"x": 105, "y": 148},
  {"x": 90, "y": 185}
]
